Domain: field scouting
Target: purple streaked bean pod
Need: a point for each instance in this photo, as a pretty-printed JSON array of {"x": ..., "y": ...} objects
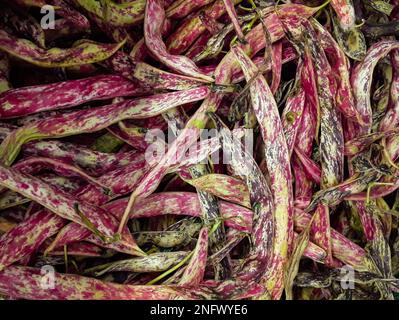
[
  {"x": 159, "y": 79},
  {"x": 195, "y": 270},
  {"x": 331, "y": 132},
  {"x": 35, "y": 165},
  {"x": 362, "y": 76},
  {"x": 114, "y": 13},
  {"x": 292, "y": 114},
  {"x": 95, "y": 119},
  {"x": 154, "y": 17},
  {"x": 86, "y": 51},
  {"x": 229, "y": 5},
  {"x": 155, "y": 262},
  {"x": 59, "y": 202},
  {"x": 193, "y": 27},
  {"x": 181, "y": 8},
  {"x": 345, "y": 12},
  {"x": 24, "y": 283},
  {"x": 93, "y": 162},
  {"x": 27, "y": 100},
  {"x": 22, "y": 240},
  {"x": 23, "y": 25},
  {"x": 277, "y": 160}
]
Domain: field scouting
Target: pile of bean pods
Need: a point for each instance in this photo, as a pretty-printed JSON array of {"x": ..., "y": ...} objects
[{"x": 109, "y": 188}]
